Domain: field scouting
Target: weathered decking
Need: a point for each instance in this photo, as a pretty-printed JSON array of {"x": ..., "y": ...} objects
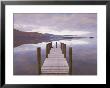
[{"x": 55, "y": 63}]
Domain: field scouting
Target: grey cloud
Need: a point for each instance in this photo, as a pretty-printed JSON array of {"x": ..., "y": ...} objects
[{"x": 59, "y": 21}]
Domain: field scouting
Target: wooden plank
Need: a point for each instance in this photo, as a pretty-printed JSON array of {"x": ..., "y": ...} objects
[
  {"x": 55, "y": 56},
  {"x": 55, "y": 63},
  {"x": 54, "y": 71}
]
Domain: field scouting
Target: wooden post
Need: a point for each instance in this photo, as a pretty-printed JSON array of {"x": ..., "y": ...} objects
[
  {"x": 47, "y": 50},
  {"x": 61, "y": 46},
  {"x": 70, "y": 60},
  {"x": 39, "y": 59},
  {"x": 56, "y": 44},
  {"x": 64, "y": 50},
  {"x": 51, "y": 44}
]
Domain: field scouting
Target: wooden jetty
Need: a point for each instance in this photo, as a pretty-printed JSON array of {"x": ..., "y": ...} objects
[{"x": 55, "y": 62}]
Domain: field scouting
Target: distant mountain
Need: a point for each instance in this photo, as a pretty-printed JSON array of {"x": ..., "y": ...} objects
[
  {"x": 69, "y": 35},
  {"x": 32, "y": 37},
  {"x": 35, "y": 37}
]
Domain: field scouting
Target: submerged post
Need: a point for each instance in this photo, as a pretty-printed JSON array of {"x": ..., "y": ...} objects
[
  {"x": 70, "y": 60},
  {"x": 39, "y": 59},
  {"x": 64, "y": 50}
]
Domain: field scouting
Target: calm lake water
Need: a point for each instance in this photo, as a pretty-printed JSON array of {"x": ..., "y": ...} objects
[{"x": 84, "y": 56}]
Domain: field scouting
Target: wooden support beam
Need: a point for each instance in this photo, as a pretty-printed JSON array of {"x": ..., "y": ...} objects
[
  {"x": 39, "y": 60},
  {"x": 47, "y": 50},
  {"x": 49, "y": 47},
  {"x": 64, "y": 50},
  {"x": 61, "y": 45},
  {"x": 51, "y": 44},
  {"x": 70, "y": 60}
]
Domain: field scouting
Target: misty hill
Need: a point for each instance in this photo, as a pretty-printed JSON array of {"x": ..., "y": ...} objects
[
  {"x": 32, "y": 37},
  {"x": 35, "y": 37}
]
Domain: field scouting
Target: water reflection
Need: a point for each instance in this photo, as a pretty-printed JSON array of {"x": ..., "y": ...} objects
[
  {"x": 74, "y": 42},
  {"x": 31, "y": 47},
  {"x": 84, "y": 56}
]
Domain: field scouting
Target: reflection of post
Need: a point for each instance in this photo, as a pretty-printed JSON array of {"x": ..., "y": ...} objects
[
  {"x": 64, "y": 50},
  {"x": 56, "y": 44},
  {"x": 70, "y": 60},
  {"x": 39, "y": 59}
]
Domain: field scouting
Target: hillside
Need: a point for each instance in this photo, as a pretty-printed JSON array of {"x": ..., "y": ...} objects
[
  {"x": 35, "y": 37},
  {"x": 31, "y": 37}
]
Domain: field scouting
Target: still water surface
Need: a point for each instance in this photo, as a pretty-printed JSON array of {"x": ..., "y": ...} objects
[{"x": 84, "y": 56}]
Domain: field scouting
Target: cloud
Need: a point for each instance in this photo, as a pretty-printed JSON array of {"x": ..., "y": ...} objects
[
  {"x": 24, "y": 27},
  {"x": 45, "y": 29},
  {"x": 57, "y": 23}
]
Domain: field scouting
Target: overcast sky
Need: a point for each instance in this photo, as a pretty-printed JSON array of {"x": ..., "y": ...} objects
[{"x": 57, "y": 23}]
